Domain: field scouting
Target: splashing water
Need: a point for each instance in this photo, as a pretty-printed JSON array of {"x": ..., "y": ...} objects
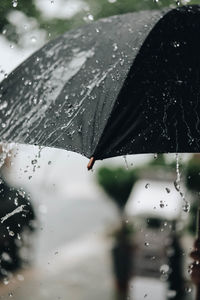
[
  {"x": 177, "y": 184},
  {"x": 126, "y": 162},
  {"x": 5, "y": 152},
  {"x": 15, "y": 211}
]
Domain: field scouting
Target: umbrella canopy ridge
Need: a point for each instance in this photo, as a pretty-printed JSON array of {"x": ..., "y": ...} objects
[{"x": 122, "y": 85}]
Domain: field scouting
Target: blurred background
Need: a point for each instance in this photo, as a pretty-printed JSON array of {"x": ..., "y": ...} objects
[{"x": 122, "y": 231}]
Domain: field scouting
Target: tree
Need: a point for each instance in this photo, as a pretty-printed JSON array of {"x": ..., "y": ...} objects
[
  {"x": 94, "y": 9},
  {"x": 117, "y": 183}
]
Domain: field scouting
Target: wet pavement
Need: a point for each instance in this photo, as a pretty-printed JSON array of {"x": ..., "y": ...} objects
[{"x": 82, "y": 272}]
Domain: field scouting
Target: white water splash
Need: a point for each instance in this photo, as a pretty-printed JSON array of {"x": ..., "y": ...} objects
[
  {"x": 126, "y": 162},
  {"x": 15, "y": 211},
  {"x": 177, "y": 184}
]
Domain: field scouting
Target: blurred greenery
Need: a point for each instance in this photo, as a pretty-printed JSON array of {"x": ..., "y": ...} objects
[
  {"x": 192, "y": 181},
  {"x": 117, "y": 183},
  {"x": 95, "y": 8},
  {"x": 193, "y": 174}
]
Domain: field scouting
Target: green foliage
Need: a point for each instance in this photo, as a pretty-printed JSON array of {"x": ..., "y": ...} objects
[
  {"x": 158, "y": 161},
  {"x": 6, "y": 7},
  {"x": 192, "y": 181},
  {"x": 56, "y": 26},
  {"x": 193, "y": 174},
  {"x": 117, "y": 183}
]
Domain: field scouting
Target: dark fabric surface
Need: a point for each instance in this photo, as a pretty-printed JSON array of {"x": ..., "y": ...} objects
[{"x": 123, "y": 85}]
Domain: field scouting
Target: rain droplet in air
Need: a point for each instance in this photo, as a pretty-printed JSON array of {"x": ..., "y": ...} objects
[
  {"x": 176, "y": 44},
  {"x": 178, "y": 175},
  {"x": 115, "y": 47},
  {"x": 162, "y": 205},
  {"x": 186, "y": 207},
  {"x": 34, "y": 161},
  {"x": 146, "y": 244},
  {"x": 126, "y": 162},
  {"x": 14, "y": 3},
  {"x": 147, "y": 185},
  {"x": 188, "y": 289},
  {"x": 33, "y": 39},
  {"x": 167, "y": 190},
  {"x": 171, "y": 294}
]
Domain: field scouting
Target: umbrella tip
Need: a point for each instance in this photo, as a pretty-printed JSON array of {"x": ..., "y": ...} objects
[{"x": 91, "y": 163}]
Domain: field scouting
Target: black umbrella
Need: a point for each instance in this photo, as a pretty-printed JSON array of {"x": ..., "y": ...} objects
[{"x": 126, "y": 84}]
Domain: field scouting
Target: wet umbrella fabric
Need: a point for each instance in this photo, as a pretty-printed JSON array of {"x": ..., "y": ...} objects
[{"x": 123, "y": 85}]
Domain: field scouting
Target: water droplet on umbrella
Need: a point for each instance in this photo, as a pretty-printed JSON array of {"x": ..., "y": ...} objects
[
  {"x": 176, "y": 44},
  {"x": 3, "y": 105},
  {"x": 11, "y": 233},
  {"x": 16, "y": 201}
]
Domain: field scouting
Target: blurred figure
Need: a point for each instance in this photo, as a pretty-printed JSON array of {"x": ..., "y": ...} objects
[
  {"x": 122, "y": 254},
  {"x": 16, "y": 216},
  {"x": 175, "y": 254}
]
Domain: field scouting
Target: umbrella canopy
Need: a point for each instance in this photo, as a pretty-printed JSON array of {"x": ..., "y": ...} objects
[{"x": 123, "y": 85}]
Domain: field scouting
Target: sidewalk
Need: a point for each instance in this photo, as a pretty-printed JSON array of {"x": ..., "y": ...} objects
[{"x": 81, "y": 272}]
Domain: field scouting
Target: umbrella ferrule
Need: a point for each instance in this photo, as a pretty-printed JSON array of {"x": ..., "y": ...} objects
[{"x": 91, "y": 163}]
